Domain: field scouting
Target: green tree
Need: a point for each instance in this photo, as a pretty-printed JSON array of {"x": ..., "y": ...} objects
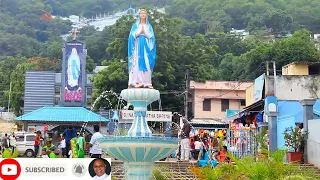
[
  {"x": 7, "y": 66},
  {"x": 18, "y": 84},
  {"x": 90, "y": 65},
  {"x": 17, "y": 79}
]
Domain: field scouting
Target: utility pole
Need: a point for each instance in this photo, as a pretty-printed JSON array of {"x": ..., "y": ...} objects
[
  {"x": 9, "y": 97},
  {"x": 186, "y": 94},
  {"x": 267, "y": 68},
  {"x": 275, "y": 78}
]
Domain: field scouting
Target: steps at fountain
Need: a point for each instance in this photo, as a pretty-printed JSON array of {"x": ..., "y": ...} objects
[{"x": 177, "y": 170}]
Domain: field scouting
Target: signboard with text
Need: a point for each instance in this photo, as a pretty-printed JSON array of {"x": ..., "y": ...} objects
[
  {"x": 258, "y": 88},
  {"x": 155, "y": 116}
]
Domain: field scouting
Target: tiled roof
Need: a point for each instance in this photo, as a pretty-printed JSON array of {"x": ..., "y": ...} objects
[{"x": 62, "y": 114}]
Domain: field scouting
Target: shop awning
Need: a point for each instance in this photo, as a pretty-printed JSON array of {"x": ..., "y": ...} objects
[
  {"x": 257, "y": 106},
  {"x": 207, "y": 123}
]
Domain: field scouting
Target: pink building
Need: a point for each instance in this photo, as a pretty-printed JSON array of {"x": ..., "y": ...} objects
[{"x": 210, "y": 100}]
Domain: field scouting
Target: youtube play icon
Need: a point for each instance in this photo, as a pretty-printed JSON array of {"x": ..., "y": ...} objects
[{"x": 10, "y": 169}]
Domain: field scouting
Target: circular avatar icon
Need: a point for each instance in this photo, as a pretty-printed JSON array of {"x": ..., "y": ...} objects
[
  {"x": 79, "y": 170},
  {"x": 99, "y": 168},
  {"x": 10, "y": 169}
]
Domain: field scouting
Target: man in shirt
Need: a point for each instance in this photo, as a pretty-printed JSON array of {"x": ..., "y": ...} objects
[
  {"x": 37, "y": 139},
  {"x": 95, "y": 150},
  {"x": 185, "y": 146},
  {"x": 100, "y": 169},
  {"x": 69, "y": 134}
]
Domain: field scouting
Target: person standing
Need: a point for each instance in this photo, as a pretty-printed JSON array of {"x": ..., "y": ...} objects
[
  {"x": 13, "y": 142},
  {"x": 81, "y": 145},
  {"x": 95, "y": 150},
  {"x": 69, "y": 134},
  {"x": 5, "y": 141},
  {"x": 37, "y": 139},
  {"x": 185, "y": 146},
  {"x": 63, "y": 147}
]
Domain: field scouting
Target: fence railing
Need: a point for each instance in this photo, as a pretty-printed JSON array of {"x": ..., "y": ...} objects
[{"x": 242, "y": 142}]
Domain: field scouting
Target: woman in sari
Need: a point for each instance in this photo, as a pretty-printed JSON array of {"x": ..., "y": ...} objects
[
  {"x": 78, "y": 146},
  {"x": 205, "y": 157}
]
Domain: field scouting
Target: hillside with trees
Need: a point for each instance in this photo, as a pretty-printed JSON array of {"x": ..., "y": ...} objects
[{"x": 192, "y": 36}]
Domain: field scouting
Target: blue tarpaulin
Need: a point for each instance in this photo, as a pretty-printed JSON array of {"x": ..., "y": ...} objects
[{"x": 230, "y": 112}]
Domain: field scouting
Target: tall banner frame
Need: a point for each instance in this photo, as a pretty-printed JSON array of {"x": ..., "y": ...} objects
[{"x": 73, "y": 77}]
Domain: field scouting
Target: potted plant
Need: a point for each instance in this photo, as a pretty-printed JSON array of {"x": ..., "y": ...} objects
[
  {"x": 262, "y": 144},
  {"x": 295, "y": 140}
]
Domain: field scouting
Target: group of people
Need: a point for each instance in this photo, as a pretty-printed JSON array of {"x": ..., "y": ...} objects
[
  {"x": 9, "y": 146},
  {"x": 207, "y": 150},
  {"x": 72, "y": 145}
]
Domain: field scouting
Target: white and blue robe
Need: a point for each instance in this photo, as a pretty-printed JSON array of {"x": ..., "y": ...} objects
[{"x": 73, "y": 68}]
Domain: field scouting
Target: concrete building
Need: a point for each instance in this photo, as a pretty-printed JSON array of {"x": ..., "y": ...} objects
[
  {"x": 281, "y": 99},
  {"x": 54, "y": 101},
  {"x": 242, "y": 34},
  {"x": 210, "y": 100},
  {"x": 43, "y": 88}
]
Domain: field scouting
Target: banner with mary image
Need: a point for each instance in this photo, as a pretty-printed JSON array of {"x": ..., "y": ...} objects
[{"x": 73, "y": 64}]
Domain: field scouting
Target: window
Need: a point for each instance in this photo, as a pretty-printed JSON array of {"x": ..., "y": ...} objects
[
  {"x": 89, "y": 101},
  {"x": 56, "y": 100},
  {"x": 224, "y": 105},
  {"x": 242, "y": 102},
  {"x": 30, "y": 138},
  {"x": 89, "y": 91},
  {"x": 20, "y": 138},
  {"x": 206, "y": 105},
  {"x": 57, "y": 91}
]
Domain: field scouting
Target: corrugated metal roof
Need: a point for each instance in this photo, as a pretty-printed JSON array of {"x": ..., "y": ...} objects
[
  {"x": 62, "y": 114},
  {"x": 206, "y": 121}
]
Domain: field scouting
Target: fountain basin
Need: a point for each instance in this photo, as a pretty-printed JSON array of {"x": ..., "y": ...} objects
[
  {"x": 140, "y": 98},
  {"x": 138, "y": 153},
  {"x": 139, "y": 149}
]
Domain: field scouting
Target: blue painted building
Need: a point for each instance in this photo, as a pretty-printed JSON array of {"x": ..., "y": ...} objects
[
  {"x": 299, "y": 81},
  {"x": 290, "y": 113}
]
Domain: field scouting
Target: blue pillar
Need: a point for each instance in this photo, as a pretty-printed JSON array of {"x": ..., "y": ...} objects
[
  {"x": 272, "y": 130},
  {"x": 271, "y": 112},
  {"x": 307, "y": 115}
]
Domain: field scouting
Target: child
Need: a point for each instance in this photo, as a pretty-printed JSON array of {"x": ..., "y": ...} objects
[{"x": 63, "y": 147}]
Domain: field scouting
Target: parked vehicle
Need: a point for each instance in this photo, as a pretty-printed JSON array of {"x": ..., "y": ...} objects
[{"x": 25, "y": 144}]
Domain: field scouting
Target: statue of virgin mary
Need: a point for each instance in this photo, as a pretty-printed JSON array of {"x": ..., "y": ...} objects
[
  {"x": 73, "y": 68},
  {"x": 141, "y": 52}
]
